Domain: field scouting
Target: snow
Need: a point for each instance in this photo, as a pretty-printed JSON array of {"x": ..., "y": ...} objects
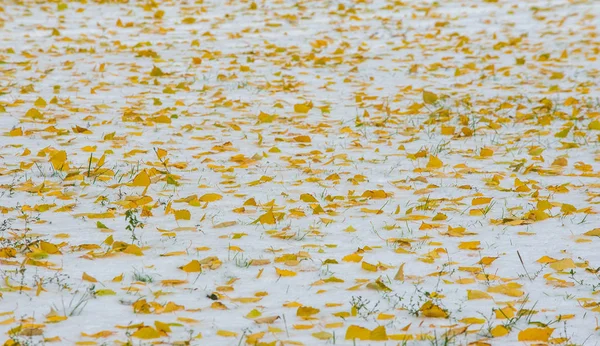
[{"x": 364, "y": 67}]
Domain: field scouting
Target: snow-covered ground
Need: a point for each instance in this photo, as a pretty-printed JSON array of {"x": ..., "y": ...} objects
[{"x": 300, "y": 172}]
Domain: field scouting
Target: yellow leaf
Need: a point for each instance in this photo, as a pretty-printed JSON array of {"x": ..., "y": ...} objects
[
  {"x": 87, "y": 277},
  {"x": 40, "y": 103},
  {"x": 192, "y": 267},
  {"x": 253, "y": 314},
  {"x": 162, "y": 327},
  {"x": 308, "y": 198},
  {"x": 352, "y": 258},
  {"x": 384, "y": 317},
  {"x": 141, "y": 179},
  {"x": 105, "y": 292},
  {"x": 429, "y": 309},
  {"x": 182, "y": 214},
  {"x": 474, "y": 294},
  {"x": 322, "y": 335},
  {"x": 357, "y": 332},
  {"x": 562, "y": 264},
  {"x": 469, "y": 245},
  {"x": 304, "y": 311},
  {"x": 146, "y": 333},
  {"x": 510, "y": 289},
  {"x": 594, "y": 125},
  {"x": 378, "y": 334},
  {"x": 368, "y": 266},
  {"x": 302, "y": 139},
  {"x": 58, "y": 160},
  {"x": 302, "y": 108},
  {"x": 133, "y": 250},
  {"x": 156, "y": 72},
  {"x": 480, "y": 201},
  {"x": 210, "y": 197},
  {"x": 34, "y": 114},
  {"x": 400, "y": 273},
  {"x": 226, "y": 333},
  {"x": 17, "y": 131},
  {"x": 486, "y": 152},
  {"x": 434, "y": 162},
  {"x": 266, "y": 320},
  {"x": 284, "y": 272},
  {"x": 429, "y": 97},
  {"x": 499, "y": 331},
  {"x": 593, "y": 233},
  {"x": 267, "y": 218},
  {"x": 535, "y": 334}
]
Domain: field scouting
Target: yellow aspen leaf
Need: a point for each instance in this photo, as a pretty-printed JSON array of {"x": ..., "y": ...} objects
[
  {"x": 563, "y": 264},
  {"x": 182, "y": 214},
  {"x": 486, "y": 152},
  {"x": 302, "y": 108},
  {"x": 308, "y": 198},
  {"x": 304, "y": 311},
  {"x": 226, "y": 333},
  {"x": 284, "y": 272},
  {"x": 354, "y": 257},
  {"x": 302, "y": 139},
  {"x": 499, "y": 331},
  {"x": 105, "y": 292},
  {"x": 146, "y": 333},
  {"x": 162, "y": 327},
  {"x": 267, "y": 218},
  {"x": 87, "y": 277},
  {"x": 40, "y": 103},
  {"x": 266, "y": 320},
  {"x": 357, "y": 332},
  {"x": 192, "y": 267},
  {"x": 384, "y": 317},
  {"x": 133, "y": 250},
  {"x": 100, "y": 334},
  {"x": 210, "y": 197},
  {"x": 400, "y": 273},
  {"x": 7, "y": 321},
  {"x": 266, "y": 118},
  {"x": 322, "y": 335},
  {"x": 17, "y": 131},
  {"x": 429, "y": 97},
  {"x": 563, "y": 133},
  {"x": 510, "y": 289},
  {"x": 34, "y": 114},
  {"x": 472, "y": 320},
  {"x": 156, "y": 72},
  {"x": 49, "y": 248},
  {"x": 593, "y": 233},
  {"x": 434, "y": 162},
  {"x": 118, "y": 278},
  {"x": 253, "y": 314},
  {"x": 535, "y": 334},
  {"x": 368, "y": 266},
  {"x": 486, "y": 261},
  {"x": 303, "y": 326},
  {"x": 481, "y": 201},
  {"x": 375, "y": 194},
  {"x": 378, "y": 334},
  {"x": 58, "y": 160},
  {"x": 141, "y": 179},
  {"x": 469, "y": 245},
  {"x": 474, "y": 294},
  {"x": 429, "y": 309}
]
